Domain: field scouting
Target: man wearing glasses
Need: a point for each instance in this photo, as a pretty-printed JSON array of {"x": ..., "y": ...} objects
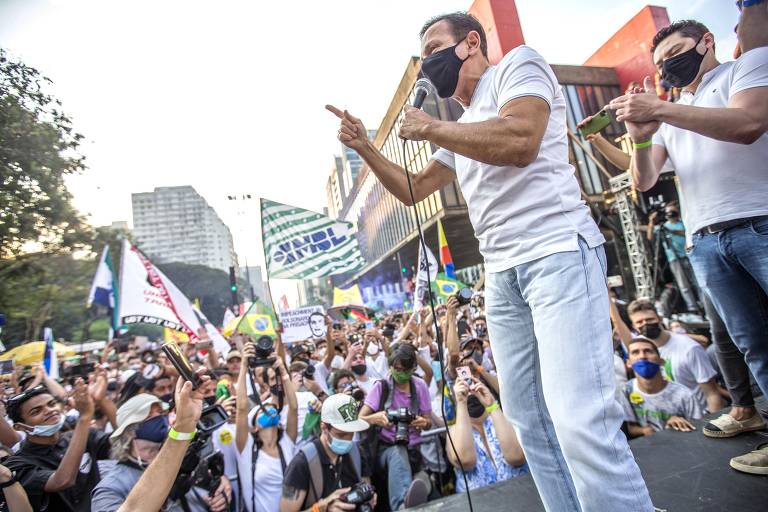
[{"x": 58, "y": 471}]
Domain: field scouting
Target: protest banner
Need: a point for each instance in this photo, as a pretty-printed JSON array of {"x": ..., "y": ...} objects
[{"x": 303, "y": 323}]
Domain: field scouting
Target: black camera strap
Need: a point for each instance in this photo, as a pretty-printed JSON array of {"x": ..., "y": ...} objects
[{"x": 388, "y": 392}]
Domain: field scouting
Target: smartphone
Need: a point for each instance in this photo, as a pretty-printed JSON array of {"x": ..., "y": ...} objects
[
  {"x": 463, "y": 372},
  {"x": 212, "y": 418},
  {"x": 203, "y": 344},
  {"x": 597, "y": 124},
  {"x": 6, "y": 367},
  {"x": 180, "y": 362}
]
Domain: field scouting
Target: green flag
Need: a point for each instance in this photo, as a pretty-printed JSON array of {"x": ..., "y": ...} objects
[{"x": 300, "y": 244}]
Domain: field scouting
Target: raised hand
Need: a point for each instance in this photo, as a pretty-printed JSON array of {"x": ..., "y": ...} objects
[
  {"x": 415, "y": 124},
  {"x": 83, "y": 400},
  {"x": 639, "y": 110},
  {"x": 351, "y": 132}
]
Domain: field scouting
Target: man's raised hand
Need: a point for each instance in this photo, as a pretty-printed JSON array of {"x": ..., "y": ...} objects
[{"x": 351, "y": 132}]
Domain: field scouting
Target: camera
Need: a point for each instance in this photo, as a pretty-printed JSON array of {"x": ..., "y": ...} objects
[
  {"x": 354, "y": 338},
  {"x": 354, "y": 391},
  {"x": 402, "y": 418},
  {"x": 464, "y": 296},
  {"x": 309, "y": 372},
  {"x": 360, "y": 494},
  {"x": 202, "y": 465},
  {"x": 265, "y": 346},
  {"x": 659, "y": 206}
]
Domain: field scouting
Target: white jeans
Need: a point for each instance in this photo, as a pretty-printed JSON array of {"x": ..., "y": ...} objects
[{"x": 551, "y": 338}]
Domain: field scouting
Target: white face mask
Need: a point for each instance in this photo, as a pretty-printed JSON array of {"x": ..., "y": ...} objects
[
  {"x": 373, "y": 349},
  {"x": 48, "y": 430}
]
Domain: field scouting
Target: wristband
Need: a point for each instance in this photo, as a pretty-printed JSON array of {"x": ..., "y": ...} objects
[
  {"x": 181, "y": 436},
  {"x": 494, "y": 406},
  {"x": 479, "y": 369},
  {"x": 315, "y": 508},
  {"x": 643, "y": 145},
  {"x": 10, "y": 482}
]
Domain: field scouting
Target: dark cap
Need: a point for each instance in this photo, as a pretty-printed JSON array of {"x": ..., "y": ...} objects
[{"x": 469, "y": 339}]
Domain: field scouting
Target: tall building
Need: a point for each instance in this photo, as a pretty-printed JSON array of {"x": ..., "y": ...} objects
[
  {"x": 386, "y": 228},
  {"x": 252, "y": 275},
  {"x": 176, "y": 224}
]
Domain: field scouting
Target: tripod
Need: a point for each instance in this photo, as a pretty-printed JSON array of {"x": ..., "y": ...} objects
[{"x": 682, "y": 273}]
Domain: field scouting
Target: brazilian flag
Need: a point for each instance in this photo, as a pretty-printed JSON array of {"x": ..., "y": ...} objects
[{"x": 444, "y": 286}]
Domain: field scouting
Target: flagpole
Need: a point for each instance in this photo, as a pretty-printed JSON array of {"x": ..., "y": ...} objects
[{"x": 264, "y": 250}]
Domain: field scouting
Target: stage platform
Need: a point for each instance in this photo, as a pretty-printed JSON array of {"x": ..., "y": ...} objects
[{"x": 685, "y": 472}]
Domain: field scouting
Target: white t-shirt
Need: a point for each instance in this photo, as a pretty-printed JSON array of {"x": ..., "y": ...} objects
[
  {"x": 223, "y": 440},
  {"x": 721, "y": 181},
  {"x": 686, "y": 362},
  {"x": 268, "y": 476},
  {"x": 655, "y": 409},
  {"x": 378, "y": 366},
  {"x": 303, "y": 398},
  {"x": 522, "y": 214}
]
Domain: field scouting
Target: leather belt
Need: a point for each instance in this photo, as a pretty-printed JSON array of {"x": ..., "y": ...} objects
[{"x": 728, "y": 224}]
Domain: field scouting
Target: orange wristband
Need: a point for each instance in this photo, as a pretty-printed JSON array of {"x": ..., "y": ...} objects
[
  {"x": 480, "y": 369},
  {"x": 315, "y": 508}
]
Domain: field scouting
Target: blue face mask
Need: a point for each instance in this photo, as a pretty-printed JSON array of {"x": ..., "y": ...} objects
[
  {"x": 154, "y": 429},
  {"x": 269, "y": 418},
  {"x": 340, "y": 446},
  {"x": 645, "y": 369},
  {"x": 48, "y": 430}
]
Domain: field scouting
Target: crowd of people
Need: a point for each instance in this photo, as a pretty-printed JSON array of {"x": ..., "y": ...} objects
[{"x": 404, "y": 408}]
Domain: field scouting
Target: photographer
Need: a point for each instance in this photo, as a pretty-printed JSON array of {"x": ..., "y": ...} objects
[
  {"x": 142, "y": 429},
  {"x": 484, "y": 439},
  {"x": 265, "y": 446},
  {"x": 401, "y": 407},
  {"x": 323, "y": 472},
  {"x": 671, "y": 236},
  {"x": 57, "y": 471},
  {"x": 156, "y": 482}
]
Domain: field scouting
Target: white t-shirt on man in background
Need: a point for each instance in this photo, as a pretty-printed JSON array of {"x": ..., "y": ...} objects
[{"x": 721, "y": 181}]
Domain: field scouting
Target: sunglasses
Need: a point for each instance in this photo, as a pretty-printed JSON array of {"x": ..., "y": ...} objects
[{"x": 16, "y": 400}]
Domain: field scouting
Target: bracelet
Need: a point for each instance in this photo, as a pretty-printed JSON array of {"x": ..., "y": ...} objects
[
  {"x": 643, "y": 145},
  {"x": 493, "y": 407},
  {"x": 315, "y": 508},
  {"x": 479, "y": 369},
  {"x": 10, "y": 482},
  {"x": 181, "y": 436}
]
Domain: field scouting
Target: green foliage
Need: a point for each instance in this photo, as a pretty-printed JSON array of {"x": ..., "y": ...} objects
[{"x": 38, "y": 148}]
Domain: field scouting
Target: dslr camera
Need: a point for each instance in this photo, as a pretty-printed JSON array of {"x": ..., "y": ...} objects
[
  {"x": 402, "y": 418},
  {"x": 265, "y": 347},
  {"x": 360, "y": 494},
  {"x": 309, "y": 372},
  {"x": 354, "y": 391},
  {"x": 464, "y": 296}
]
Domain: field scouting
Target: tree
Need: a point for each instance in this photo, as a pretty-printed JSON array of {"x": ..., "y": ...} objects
[{"x": 38, "y": 148}]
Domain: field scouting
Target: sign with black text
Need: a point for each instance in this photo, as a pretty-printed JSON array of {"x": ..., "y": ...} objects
[{"x": 303, "y": 324}]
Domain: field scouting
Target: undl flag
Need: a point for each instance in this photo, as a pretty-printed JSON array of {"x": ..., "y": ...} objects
[{"x": 300, "y": 244}]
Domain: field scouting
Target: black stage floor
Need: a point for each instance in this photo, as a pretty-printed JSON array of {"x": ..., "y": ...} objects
[{"x": 685, "y": 472}]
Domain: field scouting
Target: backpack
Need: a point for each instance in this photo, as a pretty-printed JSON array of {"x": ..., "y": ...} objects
[{"x": 316, "y": 483}]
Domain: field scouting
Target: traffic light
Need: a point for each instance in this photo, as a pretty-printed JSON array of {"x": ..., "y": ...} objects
[{"x": 233, "y": 286}]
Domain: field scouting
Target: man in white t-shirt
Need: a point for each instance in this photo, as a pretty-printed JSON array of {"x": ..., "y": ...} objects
[
  {"x": 544, "y": 261},
  {"x": 686, "y": 361},
  {"x": 715, "y": 136}
]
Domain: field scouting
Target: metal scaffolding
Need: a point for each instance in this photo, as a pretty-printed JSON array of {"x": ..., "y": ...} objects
[{"x": 621, "y": 186}]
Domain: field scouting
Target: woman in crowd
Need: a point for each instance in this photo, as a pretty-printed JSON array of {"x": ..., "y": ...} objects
[
  {"x": 484, "y": 439},
  {"x": 264, "y": 446}
]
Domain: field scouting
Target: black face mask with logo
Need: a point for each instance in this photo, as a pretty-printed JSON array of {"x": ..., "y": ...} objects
[
  {"x": 475, "y": 407},
  {"x": 681, "y": 70},
  {"x": 442, "y": 69}
]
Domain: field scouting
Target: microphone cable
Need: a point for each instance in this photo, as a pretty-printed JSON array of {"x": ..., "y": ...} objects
[{"x": 440, "y": 339}]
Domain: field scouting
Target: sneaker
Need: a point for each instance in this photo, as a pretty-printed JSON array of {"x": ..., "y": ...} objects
[
  {"x": 727, "y": 426},
  {"x": 754, "y": 462},
  {"x": 417, "y": 493}
]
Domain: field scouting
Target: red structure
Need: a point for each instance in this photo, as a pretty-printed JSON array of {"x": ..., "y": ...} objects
[
  {"x": 628, "y": 51},
  {"x": 502, "y": 26}
]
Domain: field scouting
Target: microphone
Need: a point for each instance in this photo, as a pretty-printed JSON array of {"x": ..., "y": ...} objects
[{"x": 421, "y": 91}]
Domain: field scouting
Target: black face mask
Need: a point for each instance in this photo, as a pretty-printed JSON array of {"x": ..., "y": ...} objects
[
  {"x": 275, "y": 390},
  {"x": 167, "y": 398},
  {"x": 359, "y": 369},
  {"x": 651, "y": 331},
  {"x": 681, "y": 70},
  {"x": 475, "y": 408},
  {"x": 442, "y": 69},
  {"x": 481, "y": 331}
]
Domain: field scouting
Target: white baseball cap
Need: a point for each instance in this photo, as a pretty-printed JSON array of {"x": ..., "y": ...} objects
[
  {"x": 340, "y": 411},
  {"x": 134, "y": 411}
]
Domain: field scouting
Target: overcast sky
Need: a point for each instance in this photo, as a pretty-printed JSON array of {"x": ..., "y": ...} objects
[{"x": 228, "y": 96}]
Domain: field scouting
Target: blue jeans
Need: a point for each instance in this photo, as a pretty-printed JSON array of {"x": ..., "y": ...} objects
[
  {"x": 551, "y": 338},
  {"x": 394, "y": 460},
  {"x": 732, "y": 267}
]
